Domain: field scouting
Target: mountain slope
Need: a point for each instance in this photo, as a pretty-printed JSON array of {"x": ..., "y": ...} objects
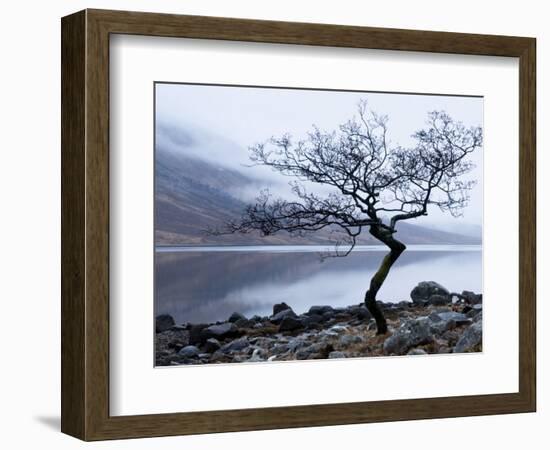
[{"x": 192, "y": 195}]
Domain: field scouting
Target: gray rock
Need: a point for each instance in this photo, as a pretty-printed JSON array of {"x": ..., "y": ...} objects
[
  {"x": 339, "y": 328},
  {"x": 236, "y": 346},
  {"x": 475, "y": 310},
  {"x": 278, "y": 307},
  {"x": 410, "y": 334},
  {"x": 417, "y": 351},
  {"x": 321, "y": 310},
  {"x": 425, "y": 289},
  {"x": 245, "y": 323},
  {"x": 195, "y": 333},
  {"x": 164, "y": 322},
  {"x": 361, "y": 312},
  {"x": 439, "y": 300},
  {"x": 189, "y": 351},
  {"x": 236, "y": 316},
  {"x": 278, "y": 318},
  {"x": 472, "y": 337},
  {"x": 335, "y": 355},
  {"x": 350, "y": 339},
  {"x": 451, "y": 336},
  {"x": 312, "y": 319},
  {"x": 439, "y": 327},
  {"x": 220, "y": 357},
  {"x": 279, "y": 349},
  {"x": 303, "y": 353},
  {"x": 211, "y": 345},
  {"x": 318, "y": 350},
  {"x": 290, "y": 324},
  {"x": 295, "y": 344},
  {"x": 457, "y": 318},
  {"x": 472, "y": 298},
  {"x": 258, "y": 355},
  {"x": 221, "y": 331}
]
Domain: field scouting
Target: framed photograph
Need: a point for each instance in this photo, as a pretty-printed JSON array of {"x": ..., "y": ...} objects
[{"x": 273, "y": 225}]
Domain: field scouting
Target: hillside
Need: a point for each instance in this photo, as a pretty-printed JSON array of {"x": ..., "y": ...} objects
[{"x": 192, "y": 195}]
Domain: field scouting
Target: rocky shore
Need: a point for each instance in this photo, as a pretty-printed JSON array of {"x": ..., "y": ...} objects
[{"x": 436, "y": 321}]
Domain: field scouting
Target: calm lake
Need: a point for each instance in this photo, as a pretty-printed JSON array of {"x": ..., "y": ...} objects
[{"x": 206, "y": 284}]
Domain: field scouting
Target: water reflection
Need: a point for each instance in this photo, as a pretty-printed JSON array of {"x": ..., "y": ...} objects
[{"x": 206, "y": 284}]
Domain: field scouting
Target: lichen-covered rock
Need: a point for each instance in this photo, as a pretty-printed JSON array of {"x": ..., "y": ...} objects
[{"x": 412, "y": 333}]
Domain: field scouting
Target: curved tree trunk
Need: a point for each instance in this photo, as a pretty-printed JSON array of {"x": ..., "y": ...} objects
[{"x": 396, "y": 248}]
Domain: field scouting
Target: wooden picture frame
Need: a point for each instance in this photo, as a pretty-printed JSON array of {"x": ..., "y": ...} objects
[{"x": 85, "y": 224}]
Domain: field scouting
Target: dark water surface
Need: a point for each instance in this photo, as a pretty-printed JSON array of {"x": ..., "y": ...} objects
[{"x": 206, "y": 284}]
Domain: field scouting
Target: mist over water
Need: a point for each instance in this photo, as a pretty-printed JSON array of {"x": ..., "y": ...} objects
[{"x": 206, "y": 284}]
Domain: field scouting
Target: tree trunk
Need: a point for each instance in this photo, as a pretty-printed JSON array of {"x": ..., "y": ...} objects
[{"x": 396, "y": 248}]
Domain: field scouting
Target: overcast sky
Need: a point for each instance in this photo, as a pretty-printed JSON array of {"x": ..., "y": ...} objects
[{"x": 226, "y": 120}]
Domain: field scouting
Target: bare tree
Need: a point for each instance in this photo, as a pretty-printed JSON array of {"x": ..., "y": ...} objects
[{"x": 374, "y": 185}]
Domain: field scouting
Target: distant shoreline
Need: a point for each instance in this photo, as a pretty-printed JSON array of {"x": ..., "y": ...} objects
[{"x": 311, "y": 248}]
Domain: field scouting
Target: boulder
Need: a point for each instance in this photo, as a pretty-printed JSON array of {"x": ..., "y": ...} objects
[
  {"x": 312, "y": 319},
  {"x": 456, "y": 317},
  {"x": 470, "y": 339},
  {"x": 235, "y": 317},
  {"x": 350, "y": 339},
  {"x": 244, "y": 323},
  {"x": 295, "y": 344},
  {"x": 189, "y": 351},
  {"x": 321, "y": 310},
  {"x": 236, "y": 346},
  {"x": 425, "y": 289},
  {"x": 290, "y": 324},
  {"x": 278, "y": 318},
  {"x": 278, "y": 349},
  {"x": 361, "y": 312},
  {"x": 439, "y": 300},
  {"x": 278, "y": 307},
  {"x": 474, "y": 311},
  {"x": 164, "y": 322},
  {"x": 472, "y": 298},
  {"x": 335, "y": 355},
  {"x": 319, "y": 350},
  {"x": 222, "y": 331},
  {"x": 410, "y": 334},
  {"x": 211, "y": 345},
  {"x": 195, "y": 333}
]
